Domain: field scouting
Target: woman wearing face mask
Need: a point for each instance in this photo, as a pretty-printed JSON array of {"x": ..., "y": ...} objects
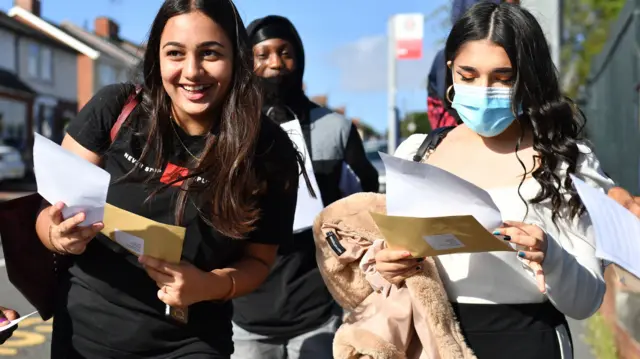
[
  {"x": 195, "y": 152},
  {"x": 519, "y": 141}
]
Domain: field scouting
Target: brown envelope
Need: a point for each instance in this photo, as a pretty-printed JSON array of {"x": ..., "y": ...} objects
[
  {"x": 140, "y": 235},
  {"x": 428, "y": 237}
]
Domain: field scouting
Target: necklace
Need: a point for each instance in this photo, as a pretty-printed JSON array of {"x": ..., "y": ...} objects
[{"x": 173, "y": 125}]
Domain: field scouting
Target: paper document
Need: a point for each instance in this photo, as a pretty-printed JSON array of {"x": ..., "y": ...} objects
[
  {"x": 617, "y": 230},
  {"x": 140, "y": 235},
  {"x": 307, "y": 207},
  {"x": 427, "y": 237},
  {"x": 421, "y": 190},
  {"x": 15, "y": 322},
  {"x": 64, "y": 176}
]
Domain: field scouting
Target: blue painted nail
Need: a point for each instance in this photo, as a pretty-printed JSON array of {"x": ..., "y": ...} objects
[
  {"x": 521, "y": 254},
  {"x": 496, "y": 233}
]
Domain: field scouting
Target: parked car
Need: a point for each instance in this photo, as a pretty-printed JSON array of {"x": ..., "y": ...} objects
[
  {"x": 12, "y": 166},
  {"x": 371, "y": 148}
]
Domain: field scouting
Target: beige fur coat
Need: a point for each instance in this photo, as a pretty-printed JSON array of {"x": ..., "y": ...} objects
[{"x": 383, "y": 321}]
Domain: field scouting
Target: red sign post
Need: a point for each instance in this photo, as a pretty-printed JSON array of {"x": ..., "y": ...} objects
[{"x": 409, "y": 32}]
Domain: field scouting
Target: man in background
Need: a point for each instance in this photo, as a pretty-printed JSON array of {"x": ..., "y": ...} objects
[{"x": 293, "y": 315}]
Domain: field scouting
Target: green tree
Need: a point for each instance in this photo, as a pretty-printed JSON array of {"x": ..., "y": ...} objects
[
  {"x": 586, "y": 29},
  {"x": 416, "y": 121}
]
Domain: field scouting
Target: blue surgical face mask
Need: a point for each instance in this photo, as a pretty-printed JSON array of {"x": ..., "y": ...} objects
[{"x": 485, "y": 110}]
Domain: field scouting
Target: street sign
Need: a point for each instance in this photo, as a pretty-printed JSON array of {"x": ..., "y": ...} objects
[{"x": 408, "y": 34}]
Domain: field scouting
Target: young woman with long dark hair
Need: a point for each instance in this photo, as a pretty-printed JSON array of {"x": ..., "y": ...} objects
[
  {"x": 197, "y": 153},
  {"x": 519, "y": 140}
]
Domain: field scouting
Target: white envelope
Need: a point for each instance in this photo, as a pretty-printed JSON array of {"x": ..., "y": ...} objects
[
  {"x": 307, "y": 207},
  {"x": 422, "y": 190},
  {"x": 617, "y": 230},
  {"x": 62, "y": 176}
]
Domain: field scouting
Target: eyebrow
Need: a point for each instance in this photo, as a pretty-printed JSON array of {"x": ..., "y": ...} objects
[
  {"x": 500, "y": 70},
  {"x": 203, "y": 44}
]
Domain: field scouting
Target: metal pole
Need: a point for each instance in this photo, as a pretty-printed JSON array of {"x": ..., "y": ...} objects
[{"x": 391, "y": 79}]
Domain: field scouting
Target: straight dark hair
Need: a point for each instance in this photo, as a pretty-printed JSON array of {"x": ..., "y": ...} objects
[
  {"x": 555, "y": 121},
  {"x": 227, "y": 159}
]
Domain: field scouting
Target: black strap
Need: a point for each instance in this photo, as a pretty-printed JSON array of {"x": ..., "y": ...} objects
[{"x": 431, "y": 142}]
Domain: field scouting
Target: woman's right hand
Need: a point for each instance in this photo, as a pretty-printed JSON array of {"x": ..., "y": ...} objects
[
  {"x": 396, "y": 265},
  {"x": 65, "y": 236}
]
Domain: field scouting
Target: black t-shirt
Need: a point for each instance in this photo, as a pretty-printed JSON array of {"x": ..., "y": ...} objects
[{"x": 109, "y": 307}]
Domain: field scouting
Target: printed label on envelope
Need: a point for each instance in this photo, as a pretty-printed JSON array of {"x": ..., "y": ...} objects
[
  {"x": 442, "y": 242},
  {"x": 143, "y": 236},
  {"x": 427, "y": 237},
  {"x": 130, "y": 242}
]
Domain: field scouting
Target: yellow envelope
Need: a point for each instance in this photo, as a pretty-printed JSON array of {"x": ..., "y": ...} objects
[
  {"x": 428, "y": 237},
  {"x": 140, "y": 235}
]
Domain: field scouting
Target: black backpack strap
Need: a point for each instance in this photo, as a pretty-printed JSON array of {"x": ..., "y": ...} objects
[{"x": 431, "y": 142}]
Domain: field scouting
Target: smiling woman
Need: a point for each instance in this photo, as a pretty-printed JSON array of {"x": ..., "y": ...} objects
[{"x": 195, "y": 152}]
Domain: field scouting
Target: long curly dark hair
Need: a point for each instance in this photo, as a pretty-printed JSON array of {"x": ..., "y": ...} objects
[{"x": 555, "y": 121}]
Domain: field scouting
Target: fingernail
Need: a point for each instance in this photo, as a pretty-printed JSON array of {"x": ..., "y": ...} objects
[
  {"x": 507, "y": 238},
  {"x": 419, "y": 268},
  {"x": 521, "y": 254},
  {"x": 3, "y": 320},
  {"x": 407, "y": 254},
  {"x": 419, "y": 260},
  {"x": 496, "y": 233}
]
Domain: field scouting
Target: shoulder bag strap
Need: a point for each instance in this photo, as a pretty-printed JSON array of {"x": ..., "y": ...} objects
[
  {"x": 129, "y": 106},
  {"x": 431, "y": 142}
]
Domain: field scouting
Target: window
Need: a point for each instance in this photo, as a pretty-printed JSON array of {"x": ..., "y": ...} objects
[
  {"x": 107, "y": 75},
  {"x": 33, "y": 60},
  {"x": 40, "y": 62},
  {"x": 46, "y": 64}
]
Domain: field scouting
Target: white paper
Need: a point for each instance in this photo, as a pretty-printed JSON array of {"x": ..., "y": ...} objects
[
  {"x": 64, "y": 176},
  {"x": 307, "y": 207},
  {"x": 15, "y": 322},
  {"x": 420, "y": 190},
  {"x": 130, "y": 242},
  {"x": 442, "y": 242},
  {"x": 617, "y": 230}
]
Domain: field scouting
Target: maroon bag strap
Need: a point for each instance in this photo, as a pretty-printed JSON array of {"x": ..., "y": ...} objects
[{"x": 129, "y": 106}]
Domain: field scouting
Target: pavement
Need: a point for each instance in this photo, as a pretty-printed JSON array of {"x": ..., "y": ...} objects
[{"x": 33, "y": 337}]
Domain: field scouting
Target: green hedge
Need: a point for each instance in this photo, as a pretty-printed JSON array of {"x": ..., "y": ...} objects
[{"x": 601, "y": 338}]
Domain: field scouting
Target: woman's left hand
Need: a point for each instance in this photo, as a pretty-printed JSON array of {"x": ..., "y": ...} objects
[
  {"x": 181, "y": 284},
  {"x": 534, "y": 240}
]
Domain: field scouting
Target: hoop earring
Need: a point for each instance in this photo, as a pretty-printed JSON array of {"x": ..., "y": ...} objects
[{"x": 447, "y": 94}]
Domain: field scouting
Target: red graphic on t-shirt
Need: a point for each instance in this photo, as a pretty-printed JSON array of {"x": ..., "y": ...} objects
[{"x": 172, "y": 173}]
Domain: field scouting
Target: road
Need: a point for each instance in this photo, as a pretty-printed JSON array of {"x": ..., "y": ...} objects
[{"x": 32, "y": 339}]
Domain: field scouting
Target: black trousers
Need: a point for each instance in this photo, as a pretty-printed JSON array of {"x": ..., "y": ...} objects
[{"x": 502, "y": 331}]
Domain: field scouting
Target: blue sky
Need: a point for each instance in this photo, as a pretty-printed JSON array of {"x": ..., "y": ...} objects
[{"x": 344, "y": 43}]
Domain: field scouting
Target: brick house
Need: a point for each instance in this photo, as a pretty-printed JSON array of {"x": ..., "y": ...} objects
[
  {"x": 101, "y": 59},
  {"x": 118, "y": 62},
  {"x": 36, "y": 72}
]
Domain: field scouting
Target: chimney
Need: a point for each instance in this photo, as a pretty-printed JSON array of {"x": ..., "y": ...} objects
[
  {"x": 107, "y": 28},
  {"x": 32, "y": 6}
]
